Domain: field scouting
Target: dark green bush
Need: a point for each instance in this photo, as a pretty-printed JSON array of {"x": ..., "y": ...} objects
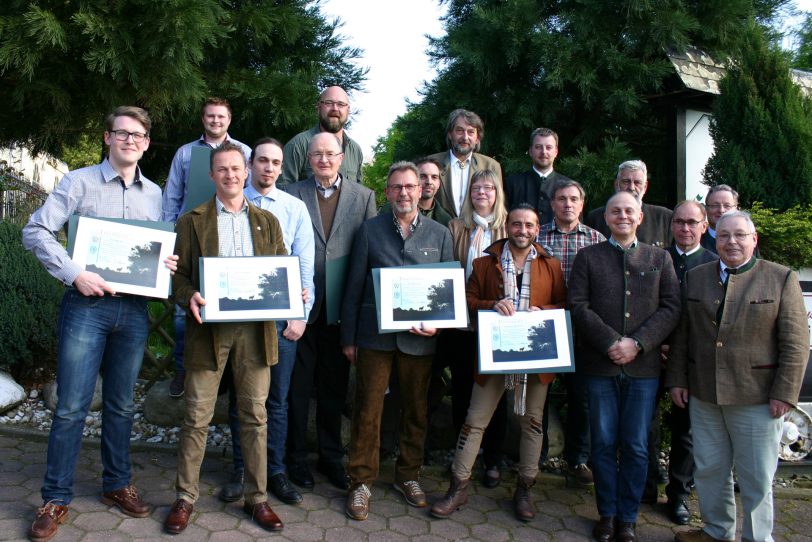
[
  {"x": 29, "y": 304},
  {"x": 784, "y": 237}
]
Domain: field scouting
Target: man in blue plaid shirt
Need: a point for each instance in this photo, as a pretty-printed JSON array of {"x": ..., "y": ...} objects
[{"x": 563, "y": 237}]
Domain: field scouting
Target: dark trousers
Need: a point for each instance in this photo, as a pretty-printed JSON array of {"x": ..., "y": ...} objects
[
  {"x": 319, "y": 363},
  {"x": 458, "y": 349},
  {"x": 681, "y": 460},
  {"x": 576, "y": 437}
]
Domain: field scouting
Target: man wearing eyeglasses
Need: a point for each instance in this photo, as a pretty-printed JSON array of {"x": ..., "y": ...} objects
[
  {"x": 333, "y": 109},
  {"x": 337, "y": 209},
  {"x": 98, "y": 327},
  {"x": 655, "y": 228},
  {"x": 737, "y": 362},
  {"x": 403, "y": 237},
  {"x": 720, "y": 199}
]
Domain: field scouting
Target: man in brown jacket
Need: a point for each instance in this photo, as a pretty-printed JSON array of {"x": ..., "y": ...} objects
[
  {"x": 737, "y": 362},
  {"x": 516, "y": 274}
]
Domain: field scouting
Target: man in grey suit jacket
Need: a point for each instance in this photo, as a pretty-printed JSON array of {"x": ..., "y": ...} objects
[
  {"x": 403, "y": 237},
  {"x": 737, "y": 362},
  {"x": 464, "y": 132},
  {"x": 337, "y": 208}
]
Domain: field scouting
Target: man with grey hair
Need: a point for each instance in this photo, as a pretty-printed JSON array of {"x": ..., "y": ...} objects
[
  {"x": 337, "y": 209},
  {"x": 720, "y": 199},
  {"x": 737, "y": 362},
  {"x": 535, "y": 186},
  {"x": 333, "y": 109},
  {"x": 655, "y": 228},
  {"x": 464, "y": 133},
  {"x": 403, "y": 237}
]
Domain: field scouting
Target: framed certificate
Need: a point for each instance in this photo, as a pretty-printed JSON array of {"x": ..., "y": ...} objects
[
  {"x": 128, "y": 257},
  {"x": 527, "y": 342},
  {"x": 251, "y": 288},
  {"x": 412, "y": 295}
]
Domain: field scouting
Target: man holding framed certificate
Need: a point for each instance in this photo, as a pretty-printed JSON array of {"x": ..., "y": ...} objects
[
  {"x": 515, "y": 275},
  {"x": 225, "y": 226}
]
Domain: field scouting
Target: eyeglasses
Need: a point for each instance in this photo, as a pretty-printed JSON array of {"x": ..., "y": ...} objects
[
  {"x": 410, "y": 188},
  {"x": 739, "y": 236},
  {"x": 124, "y": 135},
  {"x": 333, "y": 103},
  {"x": 721, "y": 206},
  {"x": 486, "y": 188},
  {"x": 329, "y": 156},
  {"x": 678, "y": 222}
]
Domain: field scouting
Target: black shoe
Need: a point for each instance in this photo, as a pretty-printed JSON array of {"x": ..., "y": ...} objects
[
  {"x": 662, "y": 475},
  {"x": 626, "y": 532},
  {"x": 300, "y": 474},
  {"x": 281, "y": 487},
  {"x": 678, "y": 511},
  {"x": 335, "y": 473},
  {"x": 492, "y": 477},
  {"x": 177, "y": 385},
  {"x": 233, "y": 490}
]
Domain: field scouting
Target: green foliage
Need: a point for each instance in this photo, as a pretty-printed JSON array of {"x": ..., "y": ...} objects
[
  {"x": 64, "y": 65},
  {"x": 29, "y": 304},
  {"x": 85, "y": 152},
  {"x": 596, "y": 171},
  {"x": 784, "y": 236},
  {"x": 762, "y": 130},
  {"x": 802, "y": 57},
  {"x": 384, "y": 156}
]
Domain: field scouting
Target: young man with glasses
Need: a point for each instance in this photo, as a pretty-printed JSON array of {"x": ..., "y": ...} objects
[{"x": 333, "y": 109}]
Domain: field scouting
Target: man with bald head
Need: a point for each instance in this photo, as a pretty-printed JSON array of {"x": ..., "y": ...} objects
[
  {"x": 333, "y": 109},
  {"x": 737, "y": 362},
  {"x": 337, "y": 209},
  {"x": 624, "y": 301}
]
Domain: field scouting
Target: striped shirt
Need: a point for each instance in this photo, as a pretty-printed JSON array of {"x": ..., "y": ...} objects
[
  {"x": 95, "y": 191},
  {"x": 234, "y": 231},
  {"x": 565, "y": 245}
]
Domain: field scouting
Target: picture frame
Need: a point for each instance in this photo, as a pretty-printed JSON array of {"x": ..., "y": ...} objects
[
  {"x": 251, "y": 288},
  {"x": 128, "y": 256},
  {"x": 527, "y": 342},
  {"x": 413, "y": 295}
]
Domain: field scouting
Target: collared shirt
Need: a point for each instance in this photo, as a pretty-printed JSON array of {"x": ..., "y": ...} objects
[
  {"x": 234, "y": 231},
  {"x": 297, "y": 231},
  {"x": 614, "y": 243},
  {"x": 723, "y": 269},
  {"x": 329, "y": 190},
  {"x": 681, "y": 252},
  {"x": 541, "y": 174},
  {"x": 175, "y": 188},
  {"x": 412, "y": 226},
  {"x": 95, "y": 191},
  {"x": 460, "y": 172},
  {"x": 565, "y": 245},
  {"x": 712, "y": 232}
]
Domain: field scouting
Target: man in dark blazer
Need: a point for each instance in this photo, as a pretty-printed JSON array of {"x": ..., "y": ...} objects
[
  {"x": 655, "y": 228},
  {"x": 226, "y": 225},
  {"x": 464, "y": 133},
  {"x": 535, "y": 186},
  {"x": 404, "y": 237},
  {"x": 624, "y": 301},
  {"x": 737, "y": 362},
  {"x": 720, "y": 199},
  {"x": 429, "y": 171},
  {"x": 687, "y": 226},
  {"x": 337, "y": 209}
]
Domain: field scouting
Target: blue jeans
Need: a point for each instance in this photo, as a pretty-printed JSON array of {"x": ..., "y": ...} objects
[
  {"x": 277, "y": 406},
  {"x": 180, "y": 337},
  {"x": 95, "y": 332},
  {"x": 620, "y": 410}
]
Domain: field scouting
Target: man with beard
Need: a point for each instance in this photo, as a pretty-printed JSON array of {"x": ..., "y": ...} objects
[
  {"x": 536, "y": 185},
  {"x": 333, "y": 109},
  {"x": 404, "y": 237},
  {"x": 429, "y": 171},
  {"x": 655, "y": 228},
  {"x": 464, "y": 132}
]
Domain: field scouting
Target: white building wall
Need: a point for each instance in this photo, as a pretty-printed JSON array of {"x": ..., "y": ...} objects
[
  {"x": 43, "y": 170},
  {"x": 698, "y": 149}
]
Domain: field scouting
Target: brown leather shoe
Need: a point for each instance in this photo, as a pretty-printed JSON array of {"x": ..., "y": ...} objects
[
  {"x": 412, "y": 492},
  {"x": 49, "y": 517},
  {"x": 626, "y": 532},
  {"x": 178, "y": 517},
  {"x": 523, "y": 499},
  {"x": 357, "y": 506},
  {"x": 128, "y": 501},
  {"x": 264, "y": 516},
  {"x": 696, "y": 535},
  {"x": 455, "y": 497},
  {"x": 604, "y": 530}
]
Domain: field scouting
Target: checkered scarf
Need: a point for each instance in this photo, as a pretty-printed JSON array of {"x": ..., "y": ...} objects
[{"x": 521, "y": 300}]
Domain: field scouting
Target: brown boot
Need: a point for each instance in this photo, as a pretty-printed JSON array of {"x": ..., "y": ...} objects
[
  {"x": 523, "y": 499},
  {"x": 455, "y": 497}
]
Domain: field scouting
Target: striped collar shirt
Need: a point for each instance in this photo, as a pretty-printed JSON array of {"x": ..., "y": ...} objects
[
  {"x": 234, "y": 231},
  {"x": 565, "y": 245}
]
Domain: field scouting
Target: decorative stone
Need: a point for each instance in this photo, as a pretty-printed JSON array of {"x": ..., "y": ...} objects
[
  {"x": 11, "y": 393},
  {"x": 49, "y": 394},
  {"x": 166, "y": 411}
]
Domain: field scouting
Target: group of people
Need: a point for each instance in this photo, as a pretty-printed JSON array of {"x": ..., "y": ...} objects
[{"x": 731, "y": 349}]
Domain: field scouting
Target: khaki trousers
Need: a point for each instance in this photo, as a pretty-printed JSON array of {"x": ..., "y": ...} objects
[
  {"x": 373, "y": 368},
  {"x": 240, "y": 345},
  {"x": 484, "y": 400}
]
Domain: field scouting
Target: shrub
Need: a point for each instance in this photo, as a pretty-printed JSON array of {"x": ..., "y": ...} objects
[
  {"x": 784, "y": 237},
  {"x": 29, "y": 304}
]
